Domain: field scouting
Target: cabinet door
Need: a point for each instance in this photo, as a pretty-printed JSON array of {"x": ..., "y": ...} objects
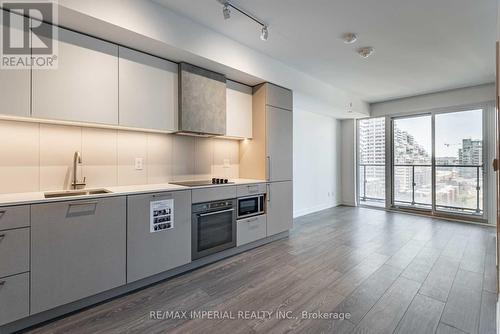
[
  {"x": 279, "y": 127},
  {"x": 279, "y": 207},
  {"x": 15, "y": 83},
  {"x": 279, "y": 97},
  {"x": 14, "y": 298},
  {"x": 84, "y": 87},
  {"x": 152, "y": 253},
  {"x": 148, "y": 91},
  {"x": 78, "y": 249},
  {"x": 238, "y": 110}
]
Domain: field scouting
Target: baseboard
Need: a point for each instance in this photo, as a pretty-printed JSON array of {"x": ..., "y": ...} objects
[
  {"x": 313, "y": 209},
  {"x": 498, "y": 314}
]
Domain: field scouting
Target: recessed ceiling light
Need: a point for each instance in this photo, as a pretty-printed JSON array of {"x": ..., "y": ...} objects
[
  {"x": 349, "y": 37},
  {"x": 366, "y": 52}
]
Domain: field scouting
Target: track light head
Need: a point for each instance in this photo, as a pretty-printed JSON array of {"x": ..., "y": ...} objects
[
  {"x": 264, "y": 34},
  {"x": 226, "y": 11}
]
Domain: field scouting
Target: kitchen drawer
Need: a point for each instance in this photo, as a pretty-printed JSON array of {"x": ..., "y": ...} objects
[
  {"x": 213, "y": 194},
  {"x": 251, "y": 229},
  {"x": 250, "y": 189},
  {"x": 14, "y": 217},
  {"x": 14, "y": 251},
  {"x": 14, "y": 298}
]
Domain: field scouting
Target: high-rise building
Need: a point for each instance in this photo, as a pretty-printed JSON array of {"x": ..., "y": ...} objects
[{"x": 471, "y": 152}]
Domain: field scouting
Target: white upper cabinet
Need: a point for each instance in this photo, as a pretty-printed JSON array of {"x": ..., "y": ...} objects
[
  {"x": 15, "y": 86},
  {"x": 148, "y": 91},
  {"x": 84, "y": 87},
  {"x": 238, "y": 110}
]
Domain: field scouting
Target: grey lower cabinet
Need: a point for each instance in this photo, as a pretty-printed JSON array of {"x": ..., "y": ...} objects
[
  {"x": 14, "y": 251},
  {"x": 279, "y": 207},
  {"x": 152, "y": 253},
  {"x": 78, "y": 249},
  {"x": 279, "y": 132},
  {"x": 251, "y": 229},
  {"x": 14, "y": 298}
]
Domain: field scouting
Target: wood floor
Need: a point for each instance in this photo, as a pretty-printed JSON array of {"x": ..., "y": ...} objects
[{"x": 393, "y": 273}]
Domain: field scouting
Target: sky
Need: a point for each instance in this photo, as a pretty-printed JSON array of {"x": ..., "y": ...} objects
[{"x": 451, "y": 128}]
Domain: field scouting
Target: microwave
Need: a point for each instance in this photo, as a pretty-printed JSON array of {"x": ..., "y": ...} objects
[{"x": 250, "y": 206}]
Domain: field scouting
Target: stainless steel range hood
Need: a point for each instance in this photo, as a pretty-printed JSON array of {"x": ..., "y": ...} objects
[{"x": 202, "y": 101}]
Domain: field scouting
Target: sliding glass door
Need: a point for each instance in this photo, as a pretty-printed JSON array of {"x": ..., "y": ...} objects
[
  {"x": 459, "y": 162},
  {"x": 412, "y": 161},
  {"x": 437, "y": 162}
]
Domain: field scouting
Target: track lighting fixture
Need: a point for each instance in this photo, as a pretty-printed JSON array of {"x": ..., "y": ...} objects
[
  {"x": 264, "y": 34},
  {"x": 226, "y": 12}
]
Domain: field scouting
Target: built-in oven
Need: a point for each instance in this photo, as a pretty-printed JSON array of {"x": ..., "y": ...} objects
[
  {"x": 250, "y": 206},
  {"x": 213, "y": 227}
]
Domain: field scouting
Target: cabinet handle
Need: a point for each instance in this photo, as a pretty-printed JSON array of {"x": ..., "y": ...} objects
[
  {"x": 268, "y": 168},
  {"x": 2, "y": 213},
  {"x": 253, "y": 189},
  {"x": 268, "y": 193},
  {"x": 83, "y": 203},
  {"x": 214, "y": 213},
  {"x": 252, "y": 219},
  {"x": 162, "y": 196},
  {"x": 2, "y": 236}
]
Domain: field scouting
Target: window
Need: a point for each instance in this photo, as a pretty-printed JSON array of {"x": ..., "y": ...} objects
[
  {"x": 459, "y": 161},
  {"x": 371, "y": 161}
]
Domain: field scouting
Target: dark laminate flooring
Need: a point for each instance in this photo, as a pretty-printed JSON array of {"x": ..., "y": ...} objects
[{"x": 392, "y": 272}]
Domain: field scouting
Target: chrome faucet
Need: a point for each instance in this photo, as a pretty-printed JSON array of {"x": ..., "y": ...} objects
[{"x": 77, "y": 159}]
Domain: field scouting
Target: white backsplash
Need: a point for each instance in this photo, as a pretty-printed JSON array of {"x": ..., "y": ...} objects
[{"x": 39, "y": 157}]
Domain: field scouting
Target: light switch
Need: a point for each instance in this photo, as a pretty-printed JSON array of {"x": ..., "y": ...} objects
[{"x": 138, "y": 163}]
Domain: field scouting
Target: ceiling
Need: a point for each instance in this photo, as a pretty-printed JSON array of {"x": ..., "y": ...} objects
[{"x": 420, "y": 46}]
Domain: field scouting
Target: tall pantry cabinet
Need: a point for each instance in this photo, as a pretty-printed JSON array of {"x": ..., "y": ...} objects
[{"x": 269, "y": 155}]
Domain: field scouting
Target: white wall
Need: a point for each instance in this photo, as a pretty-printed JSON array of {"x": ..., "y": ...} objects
[
  {"x": 348, "y": 158},
  {"x": 455, "y": 97},
  {"x": 316, "y": 162}
]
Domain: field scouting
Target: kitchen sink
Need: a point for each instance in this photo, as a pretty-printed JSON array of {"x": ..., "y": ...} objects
[{"x": 72, "y": 193}]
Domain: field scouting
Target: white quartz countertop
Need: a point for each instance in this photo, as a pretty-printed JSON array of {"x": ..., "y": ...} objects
[{"x": 39, "y": 197}]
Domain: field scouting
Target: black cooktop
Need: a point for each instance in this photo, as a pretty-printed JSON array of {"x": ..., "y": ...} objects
[{"x": 198, "y": 183}]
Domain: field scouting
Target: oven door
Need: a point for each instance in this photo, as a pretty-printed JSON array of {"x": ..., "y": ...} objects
[
  {"x": 249, "y": 206},
  {"x": 213, "y": 232}
]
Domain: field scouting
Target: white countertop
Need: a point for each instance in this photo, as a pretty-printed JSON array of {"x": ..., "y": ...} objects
[{"x": 38, "y": 197}]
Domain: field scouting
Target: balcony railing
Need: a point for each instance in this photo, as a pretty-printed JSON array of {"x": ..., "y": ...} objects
[
  {"x": 413, "y": 202},
  {"x": 364, "y": 197}
]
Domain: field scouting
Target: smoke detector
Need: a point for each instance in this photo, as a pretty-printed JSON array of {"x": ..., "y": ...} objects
[
  {"x": 366, "y": 52},
  {"x": 349, "y": 37}
]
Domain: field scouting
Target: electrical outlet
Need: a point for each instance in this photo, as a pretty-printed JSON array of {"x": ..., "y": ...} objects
[{"x": 138, "y": 163}]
